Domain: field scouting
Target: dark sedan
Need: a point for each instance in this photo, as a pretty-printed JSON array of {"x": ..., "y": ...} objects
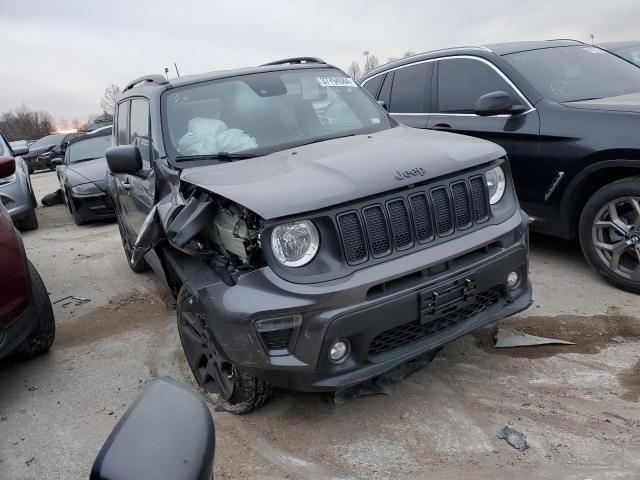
[
  {"x": 82, "y": 177},
  {"x": 44, "y": 151},
  {"x": 628, "y": 50},
  {"x": 568, "y": 115},
  {"x": 26, "y": 318}
]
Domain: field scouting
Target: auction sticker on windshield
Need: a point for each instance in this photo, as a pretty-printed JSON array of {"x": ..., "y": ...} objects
[{"x": 336, "y": 81}]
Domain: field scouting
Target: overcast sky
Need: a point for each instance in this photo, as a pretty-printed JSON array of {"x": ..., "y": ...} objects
[{"x": 60, "y": 56}]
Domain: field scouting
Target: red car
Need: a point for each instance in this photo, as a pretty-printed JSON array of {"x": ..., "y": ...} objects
[{"x": 27, "y": 325}]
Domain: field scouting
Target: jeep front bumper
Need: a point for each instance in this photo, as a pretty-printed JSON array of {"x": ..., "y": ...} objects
[{"x": 388, "y": 313}]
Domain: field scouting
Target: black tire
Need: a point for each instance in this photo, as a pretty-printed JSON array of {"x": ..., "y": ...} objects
[
  {"x": 141, "y": 265},
  {"x": 30, "y": 222},
  {"x": 245, "y": 392},
  {"x": 590, "y": 232},
  {"x": 41, "y": 339}
]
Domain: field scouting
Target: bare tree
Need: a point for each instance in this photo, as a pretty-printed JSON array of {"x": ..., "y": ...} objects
[
  {"x": 391, "y": 59},
  {"x": 108, "y": 102},
  {"x": 354, "y": 70},
  {"x": 371, "y": 63},
  {"x": 26, "y": 124}
]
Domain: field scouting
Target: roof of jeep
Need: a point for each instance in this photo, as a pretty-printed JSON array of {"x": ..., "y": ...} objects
[
  {"x": 217, "y": 75},
  {"x": 495, "y": 48}
]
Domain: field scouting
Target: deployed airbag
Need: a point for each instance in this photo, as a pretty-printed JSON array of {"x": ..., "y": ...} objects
[{"x": 210, "y": 136}]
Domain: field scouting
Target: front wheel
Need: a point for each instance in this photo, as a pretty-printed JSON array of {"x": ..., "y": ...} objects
[
  {"x": 240, "y": 392},
  {"x": 610, "y": 233}
]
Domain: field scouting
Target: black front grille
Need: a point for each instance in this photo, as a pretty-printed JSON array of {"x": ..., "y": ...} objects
[
  {"x": 400, "y": 224},
  {"x": 353, "y": 240},
  {"x": 480, "y": 199},
  {"x": 408, "y": 333},
  {"x": 377, "y": 231},
  {"x": 422, "y": 218},
  {"x": 442, "y": 209},
  {"x": 418, "y": 217},
  {"x": 461, "y": 205},
  {"x": 277, "y": 339}
]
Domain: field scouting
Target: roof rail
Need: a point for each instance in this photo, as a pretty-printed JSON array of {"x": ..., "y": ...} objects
[
  {"x": 565, "y": 40},
  {"x": 295, "y": 60},
  {"x": 155, "y": 79}
]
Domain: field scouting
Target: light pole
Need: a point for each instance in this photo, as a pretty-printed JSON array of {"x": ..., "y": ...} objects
[
  {"x": 592, "y": 38},
  {"x": 366, "y": 60}
]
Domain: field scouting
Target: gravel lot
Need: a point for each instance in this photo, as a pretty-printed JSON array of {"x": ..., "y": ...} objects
[{"x": 578, "y": 405}]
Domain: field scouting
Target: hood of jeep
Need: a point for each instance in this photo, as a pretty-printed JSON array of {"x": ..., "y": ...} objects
[{"x": 325, "y": 174}]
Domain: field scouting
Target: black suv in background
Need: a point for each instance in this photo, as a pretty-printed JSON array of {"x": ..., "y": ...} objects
[
  {"x": 300, "y": 255},
  {"x": 568, "y": 115}
]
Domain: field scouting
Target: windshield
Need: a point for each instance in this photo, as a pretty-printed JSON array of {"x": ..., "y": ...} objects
[
  {"x": 89, "y": 148},
  {"x": 265, "y": 112},
  {"x": 630, "y": 53},
  {"x": 569, "y": 74},
  {"x": 48, "y": 140}
]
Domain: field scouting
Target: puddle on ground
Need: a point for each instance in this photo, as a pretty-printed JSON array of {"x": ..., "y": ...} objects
[
  {"x": 591, "y": 334},
  {"x": 630, "y": 380},
  {"x": 123, "y": 314}
]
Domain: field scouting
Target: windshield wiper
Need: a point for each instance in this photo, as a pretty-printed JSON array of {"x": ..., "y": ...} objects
[{"x": 223, "y": 156}]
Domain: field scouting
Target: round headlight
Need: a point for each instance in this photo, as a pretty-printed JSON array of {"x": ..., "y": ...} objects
[
  {"x": 496, "y": 184},
  {"x": 295, "y": 244}
]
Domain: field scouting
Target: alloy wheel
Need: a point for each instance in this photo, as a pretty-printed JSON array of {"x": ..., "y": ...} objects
[
  {"x": 212, "y": 372},
  {"x": 616, "y": 237}
]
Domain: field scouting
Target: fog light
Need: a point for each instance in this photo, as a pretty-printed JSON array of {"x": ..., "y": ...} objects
[
  {"x": 513, "y": 279},
  {"x": 339, "y": 351}
]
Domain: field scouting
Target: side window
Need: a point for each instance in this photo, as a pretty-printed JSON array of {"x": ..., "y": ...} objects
[
  {"x": 139, "y": 129},
  {"x": 373, "y": 85},
  {"x": 385, "y": 91},
  {"x": 410, "y": 87},
  {"x": 461, "y": 81},
  {"x": 121, "y": 123}
]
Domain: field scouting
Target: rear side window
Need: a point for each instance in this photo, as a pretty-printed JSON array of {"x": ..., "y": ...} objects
[
  {"x": 461, "y": 81},
  {"x": 410, "y": 87},
  {"x": 373, "y": 85},
  {"x": 139, "y": 128},
  {"x": 121, "y": 123}
]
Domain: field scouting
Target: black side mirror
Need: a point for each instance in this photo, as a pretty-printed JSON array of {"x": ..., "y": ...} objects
[
  {"x": 497, "y": 103},
  {"x": 20, "y": 151},
  {"x": 56, "y": 161},
  {"x": 167, "y": 433},
  {"x": 124, "y": 159},
  {"x": 383, "y": 105}
]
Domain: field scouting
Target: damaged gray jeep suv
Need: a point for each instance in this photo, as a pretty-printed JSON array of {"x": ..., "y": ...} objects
[{"x": 312, "y": 242}]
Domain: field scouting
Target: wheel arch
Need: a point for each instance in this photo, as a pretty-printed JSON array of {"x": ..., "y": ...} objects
[{"x": 605, "y": 170}]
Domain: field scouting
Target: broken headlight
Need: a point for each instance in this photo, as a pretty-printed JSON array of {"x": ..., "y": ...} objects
[
  {"x": 295, "y": 244},
  {"x": 496, "y": 184}
]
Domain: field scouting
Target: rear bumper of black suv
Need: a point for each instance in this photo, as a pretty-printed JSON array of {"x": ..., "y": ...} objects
[{"x": 388, "y": 314}]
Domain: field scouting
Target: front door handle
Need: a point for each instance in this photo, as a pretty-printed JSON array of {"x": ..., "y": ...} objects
[{"x": 441, "y": 126}]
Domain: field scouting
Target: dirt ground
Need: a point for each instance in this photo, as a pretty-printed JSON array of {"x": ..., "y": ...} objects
[{"x": 579, "y": 406}]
